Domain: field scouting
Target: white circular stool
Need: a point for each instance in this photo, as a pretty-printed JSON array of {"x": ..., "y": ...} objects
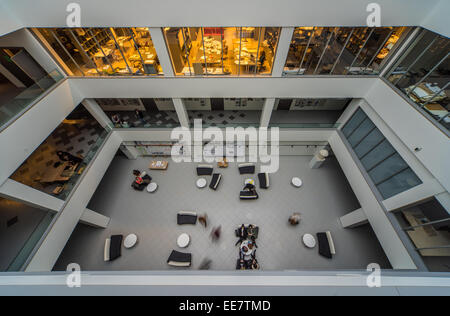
[
  {"x": 296, "y": 182},
  {"x": 130, "y": 241},
  {"x": 152, "y": 187},
  {"x": 309, "y": 240},
  {"x": 183, "y": 240},
  {"x": 249, "y": 181},
  {"x": 201, "y": 183}
]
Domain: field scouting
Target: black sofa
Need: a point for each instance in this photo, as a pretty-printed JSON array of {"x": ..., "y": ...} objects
[
  {"x": 113, "y": 248},
  {"x": 246, "y": 168},
  {"x": 179, "y": 259},
  {"x": 263, "y": 180},
  {"x": 204, "y": 170},
  {"x": 326, "y": 245},
  {"x": 184, "y": 218},
  {"x": 215, "y": 181}
]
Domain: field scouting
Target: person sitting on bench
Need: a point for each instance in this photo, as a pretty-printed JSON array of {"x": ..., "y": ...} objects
[
  {"x": 141, "y": 181},
  {"x": 248, "y": 193}
]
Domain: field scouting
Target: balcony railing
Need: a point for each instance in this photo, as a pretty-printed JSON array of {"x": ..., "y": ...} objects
[{"x": 14, "y": 108}]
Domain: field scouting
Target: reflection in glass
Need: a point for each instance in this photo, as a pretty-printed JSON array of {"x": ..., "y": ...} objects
[
  {"x": 428, "y": 227},
  {"x": 222, "y": 50},
  {"x": 387, "y": 169},
  {"x": 340, "y": 50},
  {"x": 423, "y": 74},
  {"x": 104, "y": 51}
]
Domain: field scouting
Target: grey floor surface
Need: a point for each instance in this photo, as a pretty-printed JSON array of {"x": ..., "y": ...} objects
[{"x": 323, "y": 198}]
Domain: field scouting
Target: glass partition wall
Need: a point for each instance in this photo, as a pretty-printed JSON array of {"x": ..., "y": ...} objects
[
  {"x": 341, "y": 50},
  {"x": 104, "y": 51},
  {"x": 236, "y": 51},
  {"x": 423, "y": 75},
  {"x": 428, "y": 226}
]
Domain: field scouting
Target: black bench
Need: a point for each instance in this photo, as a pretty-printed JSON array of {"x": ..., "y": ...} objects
[
  {"x": 204, "y": 170},
  {"x": 215, "y": 181},
  {"x": 179, "y": 259},
  {"x": 246, "y": 168},
  {"x": 263, "y": 180},
  {"x": 186, "y": 218},
  {"x": 113, "y": 247}
]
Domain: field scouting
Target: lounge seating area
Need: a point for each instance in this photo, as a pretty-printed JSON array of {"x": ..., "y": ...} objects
[{"x": 173, "y": 236}]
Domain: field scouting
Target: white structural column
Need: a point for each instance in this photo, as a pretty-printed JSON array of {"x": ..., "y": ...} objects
[
  {"x": 282, "y": 51},
  {"x": 5, "y": 72},
  {"x": 98, "y": 113},
  {"x": 54, "y": 242},
  {"x": 94, "y": 219},
  {"x": 354, "y": 219},
  {"x": 22, "y": 193},
  {"x": 130, "y": 151},
  {"x": 163, "y": 55},
  {"x": 267, "y": 112},
  {"x": 181, "y": 112},
  {"x": 390, "y": 241}
]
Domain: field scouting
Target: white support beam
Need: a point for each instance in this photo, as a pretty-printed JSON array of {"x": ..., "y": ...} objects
[
  {"x": 267, "y": 112},
  {"x": 180, "y": 108},
  {"x": 354, "y": 219},
  {"x": 444, "y": 199},
  {"x": 161, "y": 51},
  {"x": 13, "y": 79},
  {"x": 97, "y": 112},
  {"x": 391, "y": 243},
  {"x": 282, "y": 51},
  {"x": 22, "y": 193},
  {"x": 54, "y": 242},
  {"x": 94, "y": 219}
]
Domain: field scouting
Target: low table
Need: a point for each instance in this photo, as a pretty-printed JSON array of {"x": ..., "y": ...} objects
[
  {"x": 183, "y": 240},
  {"x": 309, "y": 240},
  {"x": 158, "y": 165},
  {"x": 152, "y": 187},
  {"x": 130, "y": 241},
  {"x": 296, "y": 182},
  {"x": 201, "y": 183}
]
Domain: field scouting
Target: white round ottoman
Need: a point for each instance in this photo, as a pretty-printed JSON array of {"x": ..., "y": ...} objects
[
  {"x": 296, "y": 182},
  {"x": 152, "y": 187},
  {"x": 183, "y": 240},
  {"x": 201, "y": 183},
  {"x": 309, "y": 240},
  {"x": 130, "y": 241}
]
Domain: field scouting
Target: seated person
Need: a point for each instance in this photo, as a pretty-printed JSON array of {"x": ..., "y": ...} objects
[
  {"x": 141, "y": 181},
  {"x": 294, "y": 219},
  {"x": 249, "y": 192},
  {"x": 65, "y": 156}
]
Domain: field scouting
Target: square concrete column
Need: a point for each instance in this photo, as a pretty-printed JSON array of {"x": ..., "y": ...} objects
[
  {"x": 161, "y": 51},
  {"x": 97, "y": 112},
  {"x": 266, "y": 113},
  {"x": 181, "y": 112},
  {"x": 282, "y": 51}
]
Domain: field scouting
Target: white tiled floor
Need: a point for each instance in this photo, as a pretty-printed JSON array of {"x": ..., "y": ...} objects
[{"x": 323, "y": 198}]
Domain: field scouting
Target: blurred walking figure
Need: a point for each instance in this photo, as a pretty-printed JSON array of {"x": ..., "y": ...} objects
[
  {"x": 215, "y": 233},
  {"x": 294, "y": 219},
  {"x": 203, "y": 220},
  {"x": 205, "y": 265}
]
